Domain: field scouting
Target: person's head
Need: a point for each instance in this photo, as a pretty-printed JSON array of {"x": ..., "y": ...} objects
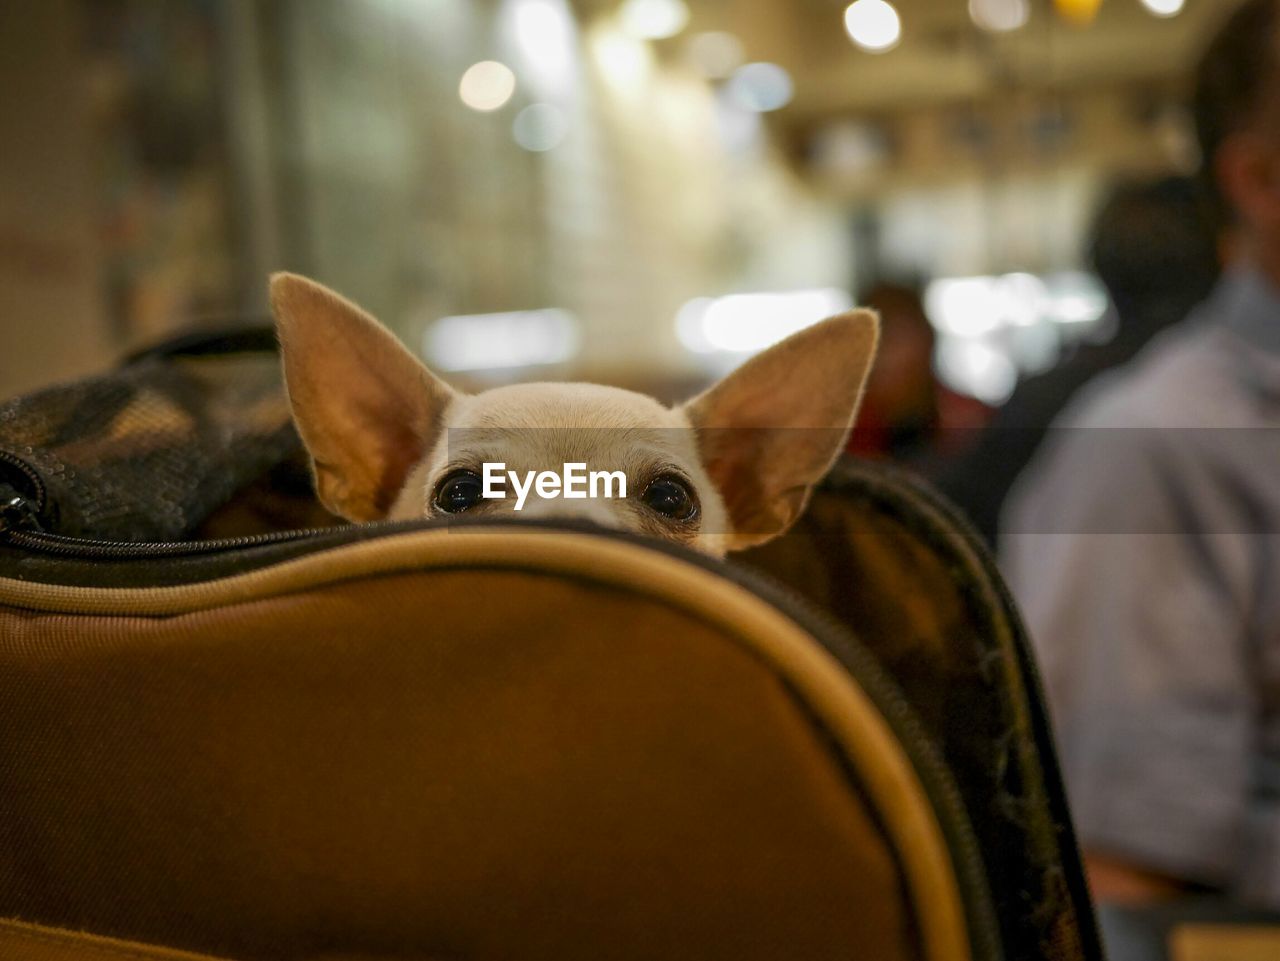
[
  {"x": 902, "y": 384},
  {"x": 1154, "y": 248},
  {"x": 1237, "y": 117}
]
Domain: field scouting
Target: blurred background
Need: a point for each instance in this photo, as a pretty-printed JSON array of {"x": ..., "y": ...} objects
[{"x": 641, "y": 192}]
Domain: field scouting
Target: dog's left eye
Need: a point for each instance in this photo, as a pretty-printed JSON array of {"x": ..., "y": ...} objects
[
  {"x": 671, "y": 497},
  {"x": 458, "y": 492}
]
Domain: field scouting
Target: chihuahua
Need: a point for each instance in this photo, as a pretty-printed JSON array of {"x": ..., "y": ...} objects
[{"x": 729, "y": 469}]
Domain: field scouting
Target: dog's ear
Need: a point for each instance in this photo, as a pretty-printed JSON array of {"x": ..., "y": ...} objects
[
  {"x": 771, "y": 429},
  {"x": 367, "y": 410}
]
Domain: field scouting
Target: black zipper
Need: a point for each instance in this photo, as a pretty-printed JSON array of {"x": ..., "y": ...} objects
[
  {"x": 39, "y": 541},
  {"x": 20, "y": 527},
  {"x": 35, "y": 485}
]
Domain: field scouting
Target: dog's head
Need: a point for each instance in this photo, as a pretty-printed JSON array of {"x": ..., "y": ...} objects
[{"x": 729, "y": 469}]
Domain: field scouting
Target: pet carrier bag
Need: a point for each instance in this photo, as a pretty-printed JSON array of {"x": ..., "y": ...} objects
[{"x": 493, "y": 739}]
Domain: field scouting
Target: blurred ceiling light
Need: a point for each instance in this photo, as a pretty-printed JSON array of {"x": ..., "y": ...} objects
[
  {"x": 874, "y": 25},
  {"x": 540, "y": 127},
  {"x": 1164, "y": 8},
  {"x": 1000, "y": 16},
  {"x": 1021, "y": 299},
  {"x": 689, "y": 327},
  {"x": 487, "y": 85},
  {"x": 972, "y": 307},
  {"x": 715, "y": 54},
  {"x": 976, "y": 368},
  {"x": 760, "y": 87},
  {"x": 1075, "y": 309},
  {"x": 624, "y": 62},
  {"x": 654, "y": 19},
  {"x": 963, "y": 306},
  {"x": 745, "y": 323},
  {"x": 1079, "y": 12},
  {"x": 493, "y": 341},
  {"x": 1075, "y": 297},
  {"x": 544, "y": 33}
]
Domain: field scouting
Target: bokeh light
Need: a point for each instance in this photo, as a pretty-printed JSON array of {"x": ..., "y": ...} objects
[
  {"x": 545, "y": 34},
  {"x": 654, "y": 19},
  {"x": 760, "y": 87},
  {"x": 540, "y": 127},
  {"x": 715, "y": 53},
  {"x": 1079, "y": 12},
  {"x": 745, "y": 323},
  {"x": 874, "y": 25},
  {"x": 487, "y": 85},
  {"x": 1000, "y": 16},
  {"x": 501, "y": 341},
  {"x": 624, "y": 63}
]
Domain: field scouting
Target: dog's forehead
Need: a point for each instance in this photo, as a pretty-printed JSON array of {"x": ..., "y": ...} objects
[
  {"x": 562, "y": 406},
  {"x": 543, "y": 425}
]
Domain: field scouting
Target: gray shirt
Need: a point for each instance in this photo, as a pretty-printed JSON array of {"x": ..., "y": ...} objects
[{"x": 1143, "y": 545}]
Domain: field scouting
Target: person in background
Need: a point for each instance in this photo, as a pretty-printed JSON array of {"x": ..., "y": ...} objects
[
  {"x": 1154, "y": 248},
  {"x": 906, "y": 415},
  {"x": 1143, "y": 544}
]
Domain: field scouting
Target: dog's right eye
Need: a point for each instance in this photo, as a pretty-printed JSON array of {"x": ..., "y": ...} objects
[
  {"x": 671, "y": 497},
  {"x": 458, "y": 492}
]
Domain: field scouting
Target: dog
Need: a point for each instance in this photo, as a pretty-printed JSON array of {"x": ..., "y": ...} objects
[{"x": 727, "y": 470}]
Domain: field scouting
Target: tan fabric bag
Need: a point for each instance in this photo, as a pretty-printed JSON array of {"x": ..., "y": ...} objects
[{"x": 509, "y": 741}]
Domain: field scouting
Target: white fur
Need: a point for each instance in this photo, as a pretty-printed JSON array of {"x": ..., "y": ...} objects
[
  {"x": 532, "y": 427},
  {"x": 383, "y": 431}
]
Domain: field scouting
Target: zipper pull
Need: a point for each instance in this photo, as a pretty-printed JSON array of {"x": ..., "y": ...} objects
[{"x": 16, "y": 512}]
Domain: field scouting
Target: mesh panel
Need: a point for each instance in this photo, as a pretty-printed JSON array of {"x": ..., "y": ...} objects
[{"x": 145, "y": 453}]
